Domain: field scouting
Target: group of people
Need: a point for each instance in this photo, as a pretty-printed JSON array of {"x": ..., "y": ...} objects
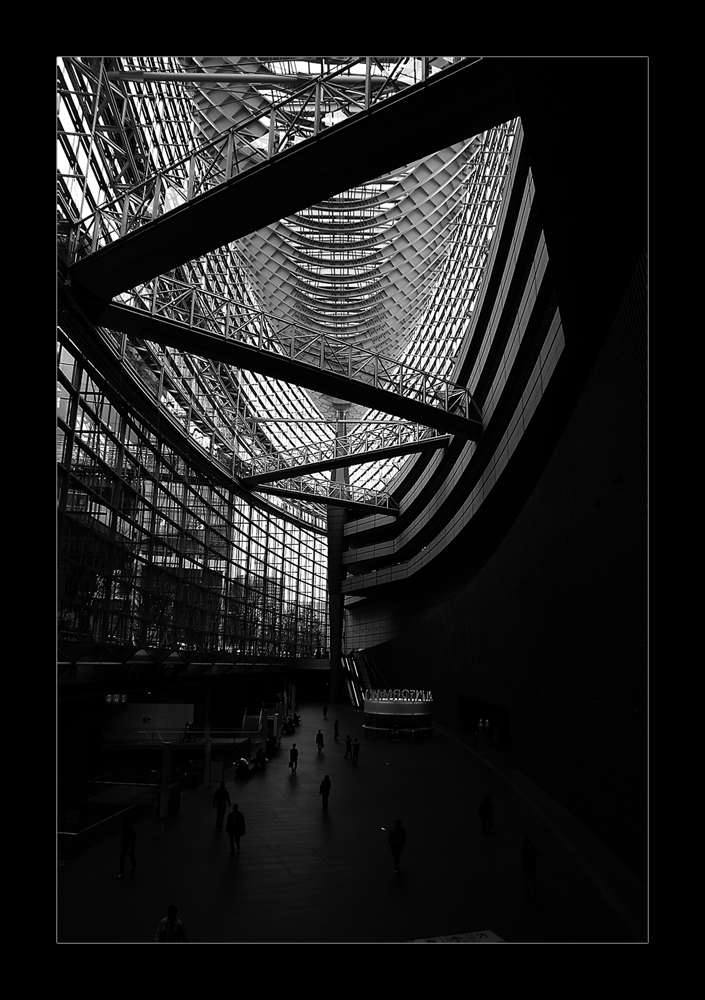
[
  {"x": 171, "y": 928},
  {"x": 352, "y": 749},
  {"x": 289, "y": 725},
  {"x": 235, "y": 825}
]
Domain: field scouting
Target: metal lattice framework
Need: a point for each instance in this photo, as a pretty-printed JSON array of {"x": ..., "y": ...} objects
[
  {"x": 197, "y": 309},
  {"x": 311, "y": 103},
  {"x": 394, "y": 265},
  {"x": 362, "y": 440},
  {"x": 332, "y": 492},
  {"x": 363, "y": 266},
  {"x": 375, "y": 285}
]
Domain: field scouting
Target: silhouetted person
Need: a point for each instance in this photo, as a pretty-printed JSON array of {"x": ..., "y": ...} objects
[
  {"x": 293, "y": 758},
  {"x": 221, "y": 800},
  {"x": 529, "y": 854},
  {"x": 397, "y": 839},
  {"x": 325, "y": 711},
  {"x": 355, "y": 750},
  {"x": 487, "y": 815},
  {"x": 242, "y": 769},
  {"x": 235, "y": 827},
  {"x": 171, "y": 927},
  {"x": 319, "y": 740},
  {"x": 324, "y": 790},
  {"x": 348, "y": 747},
  {"x": 127, "y": 846},
  {"x": 336, "y": 729}
]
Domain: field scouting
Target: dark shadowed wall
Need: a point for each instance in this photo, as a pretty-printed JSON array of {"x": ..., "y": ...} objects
[{"x": 552, "y": 627}]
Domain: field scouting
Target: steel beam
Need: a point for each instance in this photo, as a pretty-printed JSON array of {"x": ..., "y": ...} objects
[
  {"x": 344, "y": 461},
  {"x": 335, "y": 494},
  {"x": 143, "y": 325},
  {"x": 464, "y": 100}
]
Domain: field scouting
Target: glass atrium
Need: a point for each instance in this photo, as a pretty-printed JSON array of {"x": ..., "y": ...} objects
[{"x": 163, "y": 544}]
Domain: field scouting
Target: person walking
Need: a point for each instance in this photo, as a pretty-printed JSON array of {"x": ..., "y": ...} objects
[
  {"x": 396, "y": 840},
  {"x": 170, "y": 927},
  {"x": 127, "y": 846},
  {"x": 355, "y": 750},
  {"x": 221, "y": 800},
  {"x": 324, "y": 790},
  {"x": 319, "y": 740},
  {"x": 336, "y": 730},
  {"x": 486, "y": 815},
  {"x": 348, "y": 747},
  {"x": 235, "y": 827},
  {"x": 529, "y": 854},
  {"x": 293, "y": 758},
  {"x": 325, "y": 711}
]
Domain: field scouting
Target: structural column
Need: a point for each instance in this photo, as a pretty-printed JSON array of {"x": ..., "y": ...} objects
[{"x": 337, "y": 518}]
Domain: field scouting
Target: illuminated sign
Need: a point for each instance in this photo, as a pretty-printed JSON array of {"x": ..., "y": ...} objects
[
  {"x": 116, "y": 699},
  {"x": 398, "y": 695}
]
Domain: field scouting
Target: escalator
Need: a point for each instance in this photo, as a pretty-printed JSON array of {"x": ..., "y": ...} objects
[{"x": 360, "y": 675}]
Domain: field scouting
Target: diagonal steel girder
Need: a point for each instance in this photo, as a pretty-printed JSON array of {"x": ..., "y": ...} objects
[
  {"x": 281, "y": 466},
  {"x": 334, "y": 494},
  {"x": 464, "y": 100},
  {"x": 365, "y": 388}
]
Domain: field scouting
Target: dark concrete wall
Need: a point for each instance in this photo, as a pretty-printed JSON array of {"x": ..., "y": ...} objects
[{"x": 553, "y": 626}]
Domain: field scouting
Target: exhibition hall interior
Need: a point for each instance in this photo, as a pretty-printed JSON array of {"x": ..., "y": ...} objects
[{"x": 352, "y": 455}]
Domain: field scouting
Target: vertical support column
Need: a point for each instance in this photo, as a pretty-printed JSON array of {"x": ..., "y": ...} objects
[
  {"x": 337, "y": 517},
  {"x": 229, "y": 156},
  {"x": 317, "y": 109},
  {"x": 125, "y": 215},
  {"x": 272, "y": 132},
  {"x": 157, "y": 197}
]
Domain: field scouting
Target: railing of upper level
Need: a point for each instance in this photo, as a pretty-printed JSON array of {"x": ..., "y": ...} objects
[
  {"x": 316, "y": 103},
  {"x": 167, "y": 298},
  {"x": 361, "y": 440},
  {"x": 308, "y": 488}
]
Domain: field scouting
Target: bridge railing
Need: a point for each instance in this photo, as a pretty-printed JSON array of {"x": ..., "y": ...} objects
[
  {"x": 358, "y": 442},
  {"x": 166, "y": 297},
  {"x": 322, "y": 489}
]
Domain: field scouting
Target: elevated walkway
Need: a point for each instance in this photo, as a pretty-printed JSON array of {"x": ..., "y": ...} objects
[
  {"x": 233, "y": 334},
  {"x": 464, "y": 100}
]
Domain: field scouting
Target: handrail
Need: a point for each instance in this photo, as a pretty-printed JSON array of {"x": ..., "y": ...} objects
[
  {"x": 236, "y": 322},
  {"x": 360, "y": 440},
  {"x": 325, "y": 490}
]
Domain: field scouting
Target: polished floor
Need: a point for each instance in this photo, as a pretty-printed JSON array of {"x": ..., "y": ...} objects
[{"x": 308, "y": 876}]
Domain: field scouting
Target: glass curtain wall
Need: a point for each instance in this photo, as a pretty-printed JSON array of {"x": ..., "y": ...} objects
[
  {"x": 156, "y": 548},
  {"x": 153, "y": 552}
]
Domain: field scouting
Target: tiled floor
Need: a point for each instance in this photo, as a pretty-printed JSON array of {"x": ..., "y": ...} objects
[{"x": 307, "y": 876}]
